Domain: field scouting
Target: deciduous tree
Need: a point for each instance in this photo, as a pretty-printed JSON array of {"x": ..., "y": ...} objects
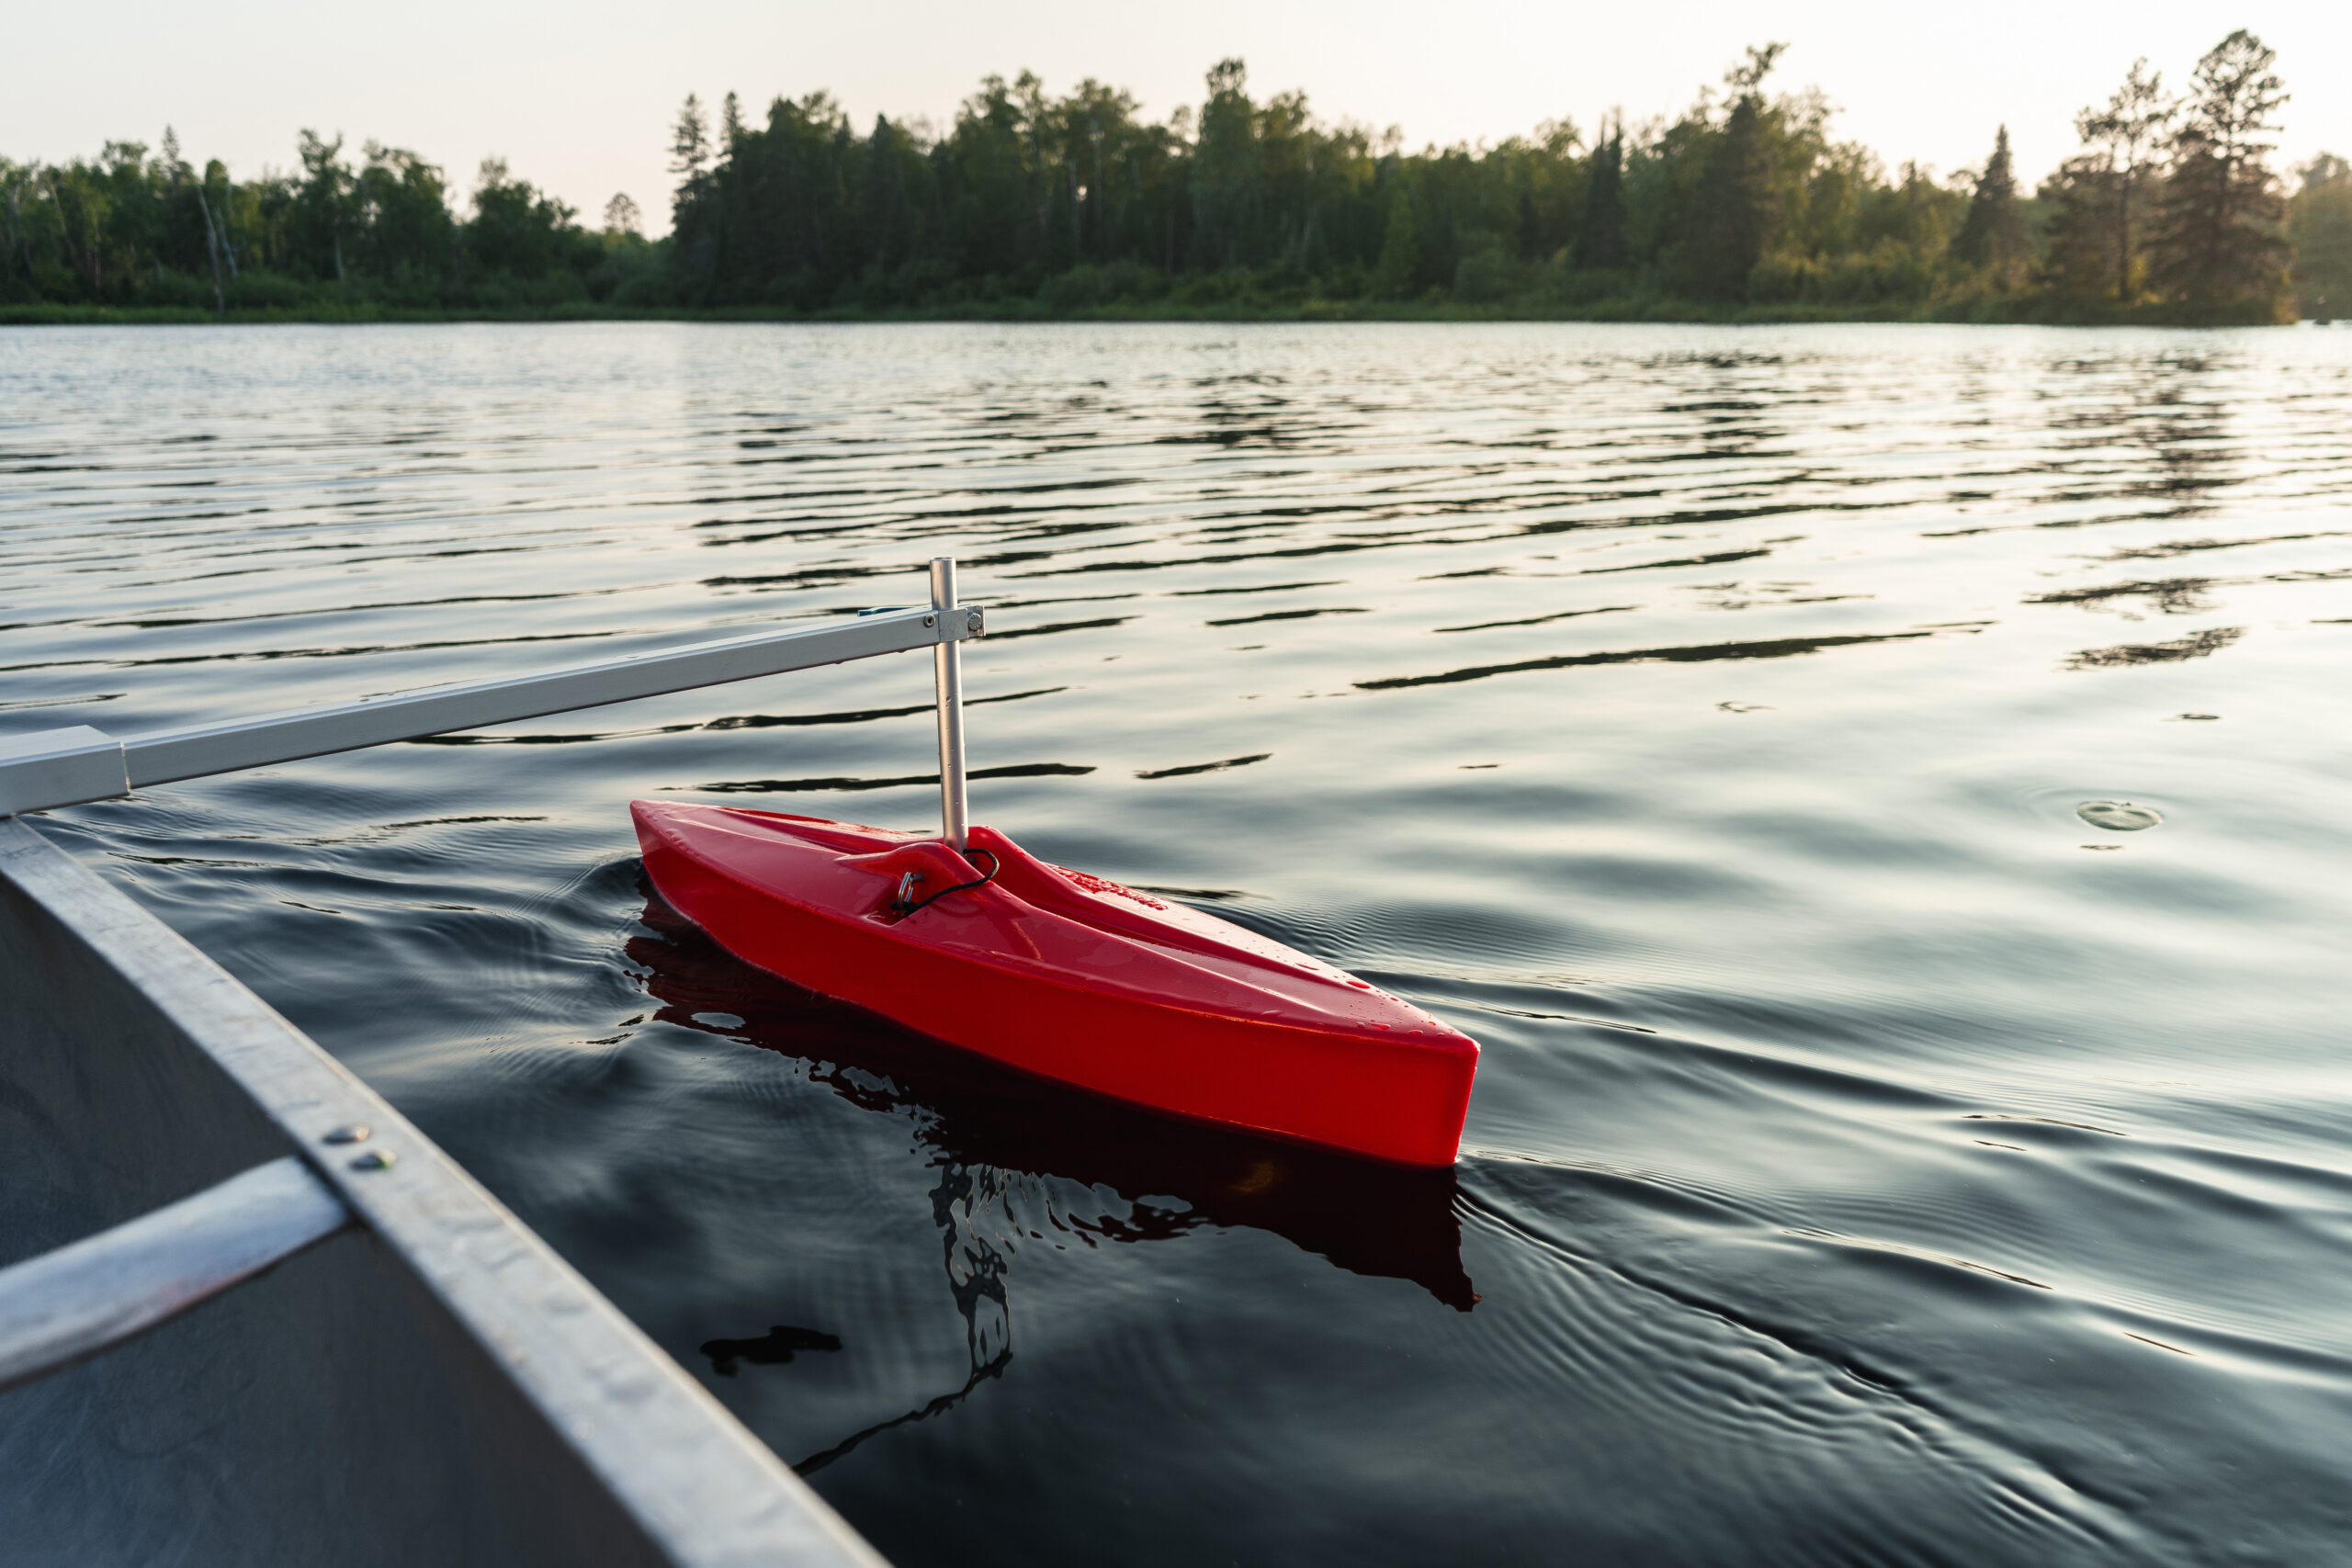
[
  {"x": 2320, "y": 223},
  {"x": 2126, "y": 136}
]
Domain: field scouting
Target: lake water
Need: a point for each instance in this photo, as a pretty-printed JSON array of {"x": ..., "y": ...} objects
[{"x": 1872, "y": 1159}]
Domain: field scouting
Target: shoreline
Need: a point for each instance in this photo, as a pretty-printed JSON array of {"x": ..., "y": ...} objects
[{"x": 2027, "y": 312}]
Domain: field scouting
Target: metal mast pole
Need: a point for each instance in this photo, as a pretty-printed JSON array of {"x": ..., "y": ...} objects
[{"x": 947, "y": 661}]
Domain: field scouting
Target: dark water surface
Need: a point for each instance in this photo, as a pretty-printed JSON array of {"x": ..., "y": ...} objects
[{"x": 1873, "y": 1160}]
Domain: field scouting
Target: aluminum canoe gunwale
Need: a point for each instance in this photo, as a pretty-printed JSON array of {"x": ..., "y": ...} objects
[{"x": 133, "y": 1071}]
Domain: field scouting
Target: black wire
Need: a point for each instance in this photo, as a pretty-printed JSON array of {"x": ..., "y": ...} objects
[{"x": 994, "y": 866}]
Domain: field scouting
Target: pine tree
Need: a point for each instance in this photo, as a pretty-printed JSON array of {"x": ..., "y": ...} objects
[
  {"x": 690, "y": 139},
  {"x": 1994, "y": 235},
  {"x": 693, "y": 217},
  {"x": 1740, "y": 211},
  {"x": 2217, "y": 235},
  {"x": 2078, "y": 256},
  {"x": 1601, "y": 237}
]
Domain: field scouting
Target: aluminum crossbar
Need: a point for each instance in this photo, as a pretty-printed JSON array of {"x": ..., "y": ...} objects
[
  {"x": 65, "y": 767},
  {"x": 104, "y": 1288}
]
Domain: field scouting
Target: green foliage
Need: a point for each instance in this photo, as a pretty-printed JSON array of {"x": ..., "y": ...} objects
[
  {"x": 1028, "y": 204},
  {"x": 1601, "y": 231},
  {"x": 518, "y": 234},
  {"x": 1400, "y": 258},
  {"x": 2123, "y": 140},
  {"x": 2218, "y": 224},
  {"x": 1227, "y": 169},
  {"x": 401, "y": 228},
  {"x": 2086, "y": 252},
  {"x": 2320, "y": 221},
  {"x": 132, "y": 231},
  {"x": 1993, "y": 238},
  {"x": 1750, "y": 170},
  {"x": 1486, "y": 275}
]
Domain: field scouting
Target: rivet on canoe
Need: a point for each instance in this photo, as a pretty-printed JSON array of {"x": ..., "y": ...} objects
[
  {"x": 350, "y": 1132},
  {"x": 374, "y": 1159}
]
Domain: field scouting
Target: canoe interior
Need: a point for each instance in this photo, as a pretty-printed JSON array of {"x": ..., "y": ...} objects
[
  {"x": 328, "y": 1411},
  {"x": 337, "y": 1409}
]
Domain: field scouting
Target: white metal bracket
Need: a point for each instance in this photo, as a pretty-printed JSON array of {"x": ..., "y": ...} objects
[{"x": 60, "y": 767}]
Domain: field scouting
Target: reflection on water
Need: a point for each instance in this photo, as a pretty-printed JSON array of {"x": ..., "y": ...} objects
[
  {"x": 989, "y": 1130},
  {"x": 1709, "y": 721},
  {"x": 1024, "y": 1162},
  {"x": 1778, "y": 648},
  {"x": 776, "y": 1347},
  {"x": 2196, "y": 645}
]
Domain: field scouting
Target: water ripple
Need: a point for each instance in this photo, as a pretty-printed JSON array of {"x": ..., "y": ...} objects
[{"x": 1859, "y": 1171}]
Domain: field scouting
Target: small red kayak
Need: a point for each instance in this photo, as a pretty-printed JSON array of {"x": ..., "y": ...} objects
[{"x": 1069, "y": 976}]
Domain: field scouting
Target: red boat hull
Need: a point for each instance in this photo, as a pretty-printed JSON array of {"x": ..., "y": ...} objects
[{"x": 1070, "y": 978}]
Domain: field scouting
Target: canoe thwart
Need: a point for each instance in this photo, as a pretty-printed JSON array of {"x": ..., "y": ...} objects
[
  {"x": 66, "y": 767},
  {"x": 60, "y": 767},
  {"x": 96, "y": 1293}
]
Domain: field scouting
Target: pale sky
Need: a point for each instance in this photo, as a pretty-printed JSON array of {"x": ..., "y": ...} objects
[{"x": 579, "y": 97}]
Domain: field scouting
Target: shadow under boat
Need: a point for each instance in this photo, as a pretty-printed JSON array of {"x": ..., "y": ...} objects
[{"x": 1381, "y": 1221}]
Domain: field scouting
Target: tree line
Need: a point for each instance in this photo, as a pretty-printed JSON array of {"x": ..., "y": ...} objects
[
  {"x": 136, "y": 228},
  {"x": 1032, "y": 204}
]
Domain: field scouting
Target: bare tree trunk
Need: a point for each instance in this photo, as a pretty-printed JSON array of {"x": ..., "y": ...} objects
[
  {"x": 212, "y": 250},
  {"x": 17, "y": 228},
  {"x": 1102, "y": 251},
  {"x": 228, "y": 245},
  {"x": 90, "y": 244},
  {"x": 1037, "y": 181},
  {"x": 1307, "y": 231},
  {"x": 64, "y": 235},
  {"x": 2123, "y": 242}
]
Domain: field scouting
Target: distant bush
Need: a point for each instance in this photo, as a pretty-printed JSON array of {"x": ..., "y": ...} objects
[
  {"x": 253, "y": 289},
  {"x": 1487, "y": 275}
]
